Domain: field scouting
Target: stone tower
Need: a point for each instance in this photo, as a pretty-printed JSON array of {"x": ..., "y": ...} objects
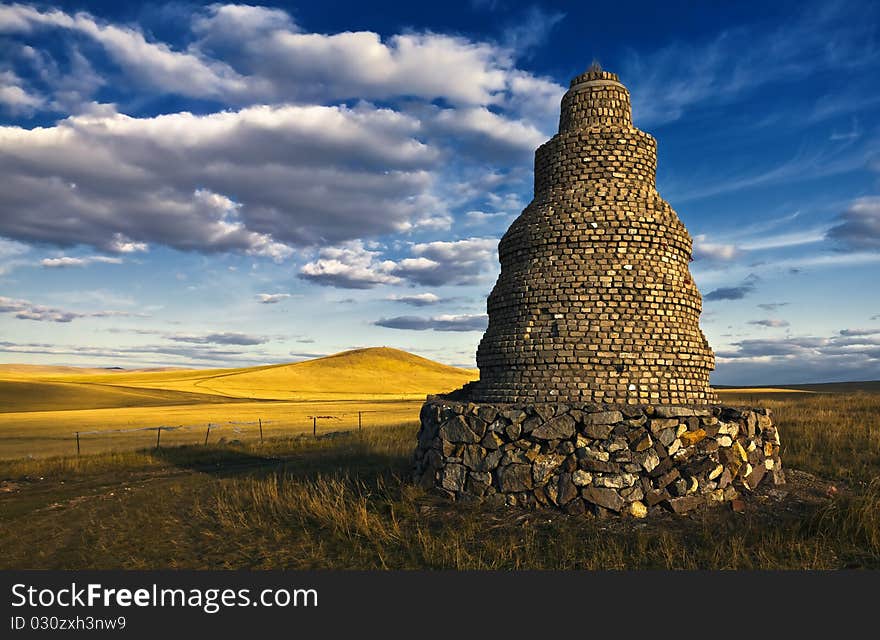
[
  {"x": 595, "y": 302},
  {"x": 594, "y": 375}
]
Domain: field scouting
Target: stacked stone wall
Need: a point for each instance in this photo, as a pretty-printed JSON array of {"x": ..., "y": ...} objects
[{"x": 622, "y": 459}]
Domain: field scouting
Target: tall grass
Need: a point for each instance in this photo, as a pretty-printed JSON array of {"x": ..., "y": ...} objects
[
  {"x": 346, "y": 502},
  {"x": 835, "y": 436}
]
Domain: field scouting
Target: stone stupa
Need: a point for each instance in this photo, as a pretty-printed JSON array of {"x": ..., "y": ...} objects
[
  {"x": 594, "y": 374},
  {"x": 595, "y": 301}
]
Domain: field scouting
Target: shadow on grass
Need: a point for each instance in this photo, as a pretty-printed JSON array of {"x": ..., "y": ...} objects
[
  {"x": 302, "y": 457},
  {"x": 216, "y": 460}
]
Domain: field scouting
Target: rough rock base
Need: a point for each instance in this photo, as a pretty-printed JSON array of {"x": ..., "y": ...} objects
[{"x": 623, "y": 459}]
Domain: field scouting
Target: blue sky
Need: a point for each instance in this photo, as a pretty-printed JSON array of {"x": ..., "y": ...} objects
[{"x": 190, "y": 184}]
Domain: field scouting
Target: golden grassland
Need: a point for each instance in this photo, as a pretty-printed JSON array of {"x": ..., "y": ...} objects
[
  {"x": 346, "y": 502},
  {"x": 373, "y": 373},
  {"x": 42, "y": 407}
]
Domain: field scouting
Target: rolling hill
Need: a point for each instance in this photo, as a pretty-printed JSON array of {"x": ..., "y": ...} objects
[{"x": 372, "y": 373}]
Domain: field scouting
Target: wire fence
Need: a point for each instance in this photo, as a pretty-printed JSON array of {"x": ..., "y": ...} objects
[{"x": 226, "y": 432}]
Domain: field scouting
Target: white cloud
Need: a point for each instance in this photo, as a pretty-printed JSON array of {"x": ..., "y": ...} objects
[
  {"x": 272, "y": 298},
  {"x": 120, "y": 244},
  {"x": 149, "y": 354},
  {"x": 283, "y": 60},
  {"x": 859, "y": 226},
  {"x": 483, "y": 217},
  {"x": 244, "y": 54},
  {"x": 859, "y": 332},
  {"x": 705, "y": 250},
  {"x": 488, "y": 133},
  {"x": 155, "y": 63},
  {"x": 225, "y": 337},
  {"x": 27, "y": 310},
  {"x": 69, "y": 261},
  {"x": 793, "y": 239},
  {"x": 770, "y": 322},
  {"x": 476, "y": 322},
  {"x": 799, "y": 359},
  {"x": 772, "y": 306},
  {"x": 274, "y": 176},
  {"x": 14, "y": 98},
  {"x": 453, "y": 262},
  {"x": 350, "y": 266},
  {"x": 416, "y": 300},
  {"x": 300, "y": 174}
]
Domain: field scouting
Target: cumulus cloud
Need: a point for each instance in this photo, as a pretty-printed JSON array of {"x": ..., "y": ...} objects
[
  {"x": 305, "y": 355},
  {"x": 154, "y": 63},
  {"x": 436, "y": 323},
  {"x": 148, "y": 354},
  {"x": 242, "y": 51},
  {"x": 242, "y": 54},
  {"x": 772, "y": 306},
  {"x": 859, "y": 226},
  {"x": 801, "y": 359},
  {"x": 734, "y": 293},
  {"x": 483, "y": 217},
  {"x": 449, "y": 262},
  {"x": 27, "y": 310},
  {"x": 488, "y": 134},
  {"x": 770, "y": 322},
  {"x": 279, "y": 57},
  {"x": 350, "y": 266},
  {"x": 271, "y": 172},
  {"x": 300, "y": 174},
  {"x": 416, "y": 300},
  {"x": 14, "y": 98},
  {"x": 218, "y": 338},
  {"x": 859, "y": 332},
  {"x": 83, "y": 261},
  {"x": 706, "y": 250},
  {"x": 272, "y": 298},
  {"x": 121, "y": 244}
]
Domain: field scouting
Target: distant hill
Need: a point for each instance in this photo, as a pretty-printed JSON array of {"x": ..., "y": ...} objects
[
  {"x": 872, "y": 386},
  {"x": 41, "y": 370},
  {"x": 44, "y": 370},
  {"x": 372, "y": 373}
]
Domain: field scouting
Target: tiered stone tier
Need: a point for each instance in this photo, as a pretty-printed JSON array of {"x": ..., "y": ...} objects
[{"x": 595, "y": 302}]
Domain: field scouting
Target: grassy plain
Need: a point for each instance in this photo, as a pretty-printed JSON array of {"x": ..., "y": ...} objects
[
  {"x": 344, "y": 501},
  {"x": 42, "y": 407}
]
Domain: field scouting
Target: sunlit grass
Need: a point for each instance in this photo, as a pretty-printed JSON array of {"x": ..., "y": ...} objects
[
  {"x": 346, "y": 502},
  {"x": 42, "y": 408}
]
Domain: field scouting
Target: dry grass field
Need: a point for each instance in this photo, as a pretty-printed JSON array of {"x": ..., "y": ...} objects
[
  {"x": 42, "y": 407},
  {"x": 343, "y": 500}
]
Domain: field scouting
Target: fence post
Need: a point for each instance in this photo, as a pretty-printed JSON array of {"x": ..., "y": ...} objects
[
  {"x": 315, "y": 426},
  {"x": 260, "y": 420},
  {"x": 359, "y": 420},
  {"x": 77, "y": 443},
  {"x": 207, "y": 433},
  {"x": 158, "y": 435}
]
